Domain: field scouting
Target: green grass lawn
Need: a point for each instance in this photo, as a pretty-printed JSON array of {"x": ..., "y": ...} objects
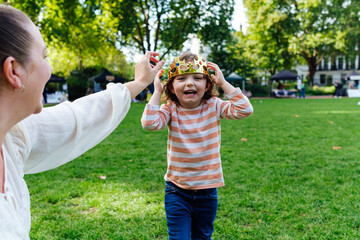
[{"x": 283, "y": 178}]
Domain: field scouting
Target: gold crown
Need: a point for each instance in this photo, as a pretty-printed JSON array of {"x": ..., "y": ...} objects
[{"x": 179, "y": 67}]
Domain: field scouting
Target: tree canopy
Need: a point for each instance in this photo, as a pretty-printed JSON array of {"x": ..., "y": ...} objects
[
  {"x": 90, "y": 31},
  {"x": 310, "y": 29},
  {"x": 164, "y": 26}
]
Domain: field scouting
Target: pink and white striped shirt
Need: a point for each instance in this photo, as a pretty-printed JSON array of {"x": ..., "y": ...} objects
[{"x": 193, "y": 151}]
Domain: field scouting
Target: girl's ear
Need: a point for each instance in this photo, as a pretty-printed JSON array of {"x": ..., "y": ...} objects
[
  {"x": 170, "y": 86},
  {"x": 12, "y": 72},
  {"x": 208, "y": 84}
]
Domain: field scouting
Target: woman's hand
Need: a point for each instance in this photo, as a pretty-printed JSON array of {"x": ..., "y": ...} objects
[{"x": 145, "y": 71}]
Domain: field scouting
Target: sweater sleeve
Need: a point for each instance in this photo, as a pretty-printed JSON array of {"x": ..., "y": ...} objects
[
  {"x": 61, "y": 133},
  {"x": 238, "y": 107},
  {"x": 155, "y": 118}
]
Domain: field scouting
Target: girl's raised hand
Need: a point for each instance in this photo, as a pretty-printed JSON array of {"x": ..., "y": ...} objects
[
  {"x": 218, "y": 78},
  {"x": 158, "y": 85}
]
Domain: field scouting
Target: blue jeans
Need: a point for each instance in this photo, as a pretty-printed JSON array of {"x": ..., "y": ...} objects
[
  {"x": 302, "y": 93},
  {"x": 190, "y": 212}
]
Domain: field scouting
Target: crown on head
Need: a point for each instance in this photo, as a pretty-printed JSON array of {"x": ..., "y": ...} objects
[{"x": 179, "y": 67}]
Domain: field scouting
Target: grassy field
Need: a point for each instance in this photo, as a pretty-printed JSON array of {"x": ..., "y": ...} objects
[{"x": 291, "y": 171}]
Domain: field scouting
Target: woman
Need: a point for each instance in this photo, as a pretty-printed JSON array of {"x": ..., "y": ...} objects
[{"x": 34, "y": 140}]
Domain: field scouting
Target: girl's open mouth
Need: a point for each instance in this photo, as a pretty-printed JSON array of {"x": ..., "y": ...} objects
[{"x": 190, "y": 92}]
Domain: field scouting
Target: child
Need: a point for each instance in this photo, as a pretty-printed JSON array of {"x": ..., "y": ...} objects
[{"x": 193, "y": 115}]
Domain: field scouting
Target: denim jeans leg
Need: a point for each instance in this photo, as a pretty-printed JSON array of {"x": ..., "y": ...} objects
[
  {"x": 204, "y": 213},
  {"x": 178, "y": 214}
]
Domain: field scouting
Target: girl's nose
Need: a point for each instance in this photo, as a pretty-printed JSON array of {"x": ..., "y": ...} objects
[{"x": 190, "y": 81}]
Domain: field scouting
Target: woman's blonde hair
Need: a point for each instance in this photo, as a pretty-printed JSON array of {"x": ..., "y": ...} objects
[{"x": 168, "y": 88}]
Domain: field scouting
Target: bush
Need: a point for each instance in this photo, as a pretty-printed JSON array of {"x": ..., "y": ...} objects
[
  {"x": 316, "y": 90},
  {"x": 77, "y": 85},
  {"x": 78, "y": 82},
  {"x": 258, "y": 90}
]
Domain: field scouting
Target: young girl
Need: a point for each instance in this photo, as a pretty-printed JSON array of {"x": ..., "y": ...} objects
[
  {"x": 193, "y": 115},
  {"x": 33, "y": 139}
]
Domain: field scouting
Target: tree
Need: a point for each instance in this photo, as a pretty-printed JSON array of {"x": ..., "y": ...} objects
[
  {"x": 74, "y": 34},
  {"x": 160, "y": 25},
  {"x": 232, "y": 57},
  {"x": 267, "y": 40},
  {"x": 308, "y": 29},
  {"x": 316, "y": 34},
  {"x": 349, "y": 21},
  {"x": 75, "y": 26},
  {"x": 88, "y": 28},
  {"x": 31, "y": 7}
]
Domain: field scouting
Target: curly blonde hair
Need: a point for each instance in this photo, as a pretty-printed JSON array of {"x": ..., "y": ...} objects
[{"x": 210, "y": 85}]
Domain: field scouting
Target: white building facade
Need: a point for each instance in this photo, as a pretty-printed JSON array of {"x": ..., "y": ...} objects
[{"x": 331, "y": 70}]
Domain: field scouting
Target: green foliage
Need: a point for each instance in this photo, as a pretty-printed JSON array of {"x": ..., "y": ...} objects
[
  {"x": 349, "y": 23},
  {"x": 316, "y": 90},
  {"x": 284, "y": 182},
  {"x": 77, "y": 86},
  {"x": 31, "y": 7},
  {"x": 90, "y": 33},
  {"x": 311, "y": 29},
  {"x": 164, "y": 26},
  {"x": 75, "y": 35},
  {"x": 258, "y": 90},
  {"x": 78, "y": 82},
  {"x": 75, "y": 27},
  {"x": 270, "y": 24},
  {"x": 232, "y": 58},
  {"x": 214, "y": 31},
  {"x": 290, "y": 85}
]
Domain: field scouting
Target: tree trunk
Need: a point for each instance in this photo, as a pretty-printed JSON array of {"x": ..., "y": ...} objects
[
  {"x": 80, "y": 64},
  {"x": 358, "y": 66},
  {"x": 312, "y": 64},
  {"x": 270, "y": 87},
  {"x": 272, "y": 73}
]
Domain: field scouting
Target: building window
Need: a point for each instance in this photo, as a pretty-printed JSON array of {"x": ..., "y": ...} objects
[
  {"x": 320, "y": 65},
  {"x": 326, "y": 67},
  {"x": 340, "y": 63},
  {"x": 322, "y": 79}
]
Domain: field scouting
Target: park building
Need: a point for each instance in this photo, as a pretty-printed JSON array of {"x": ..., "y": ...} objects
[{"x": 332, "y": 69}]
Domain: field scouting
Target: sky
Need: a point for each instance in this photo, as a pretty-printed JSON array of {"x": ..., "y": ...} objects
[{"x": 239, "y": 16}]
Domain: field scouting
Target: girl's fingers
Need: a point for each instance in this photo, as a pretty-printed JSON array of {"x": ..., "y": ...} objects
[
  {"x": 160, "y": 73},
  {"x": 213, "y": 66}
]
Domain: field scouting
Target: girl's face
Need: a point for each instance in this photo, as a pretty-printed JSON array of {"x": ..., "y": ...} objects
[
  {"x": 38, "y": 71},
  {"x": 189, "y": 89}
]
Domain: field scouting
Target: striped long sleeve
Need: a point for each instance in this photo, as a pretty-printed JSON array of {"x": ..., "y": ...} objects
[{"x": 193, "y": 151}]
